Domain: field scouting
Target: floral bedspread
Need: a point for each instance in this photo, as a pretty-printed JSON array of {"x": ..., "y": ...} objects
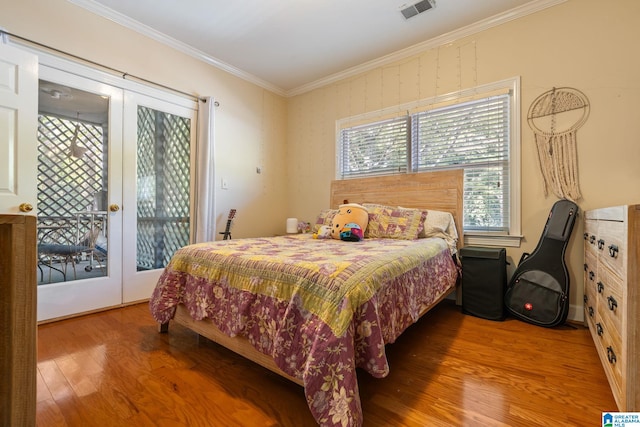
[{"x": 320, "y": 308}]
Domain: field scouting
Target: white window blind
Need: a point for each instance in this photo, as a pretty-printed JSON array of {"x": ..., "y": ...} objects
[
  {"x": 474, "y": 136},
  {"x": 375, "y": 148}
]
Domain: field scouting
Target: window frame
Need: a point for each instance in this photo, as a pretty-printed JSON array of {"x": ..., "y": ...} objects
[{"x": 513, "y": 236}]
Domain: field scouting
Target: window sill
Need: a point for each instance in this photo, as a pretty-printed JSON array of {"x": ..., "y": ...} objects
[{"x": 492, "y": 240}]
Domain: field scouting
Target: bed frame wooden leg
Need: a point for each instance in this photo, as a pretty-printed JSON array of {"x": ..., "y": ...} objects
[{"x": 163, "y": 328}]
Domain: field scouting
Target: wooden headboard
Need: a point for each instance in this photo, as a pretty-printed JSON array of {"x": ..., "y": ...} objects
[{"x": 441, "y": 191}]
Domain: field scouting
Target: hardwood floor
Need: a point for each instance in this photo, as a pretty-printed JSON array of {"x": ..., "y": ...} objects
[{"x": 449, "y": 369}]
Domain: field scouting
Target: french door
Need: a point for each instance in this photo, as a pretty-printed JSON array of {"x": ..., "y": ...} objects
[
  {"x": 132, "y": 187},
  {"x": 66, "y": 211}
]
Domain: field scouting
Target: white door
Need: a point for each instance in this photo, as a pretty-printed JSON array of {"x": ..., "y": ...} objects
[
  {"x": 158, "y": 201},
  {"x": 18, "y": 123},
  {"x": 66, "y": 99},
  {"x": 148, "y": 182}
]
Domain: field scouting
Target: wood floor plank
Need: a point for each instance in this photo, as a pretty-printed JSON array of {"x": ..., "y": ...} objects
[
  {"x": 42, "y": 391},
  {"x": 56, "y": 382},
  {"x": 449, "y": 369},
  {"x": 48, "y": 414}
]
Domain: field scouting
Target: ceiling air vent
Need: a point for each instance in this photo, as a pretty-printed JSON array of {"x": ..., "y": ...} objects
[{"x": 416, "y": 8}]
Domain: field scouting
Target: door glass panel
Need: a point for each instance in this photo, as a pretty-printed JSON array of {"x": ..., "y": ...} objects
[
  {"x": 72, "y": 183},
  {"x": 163, "y": 183}
]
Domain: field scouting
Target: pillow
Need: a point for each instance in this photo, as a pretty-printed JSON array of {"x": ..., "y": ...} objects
[
  {"x": 324, "y": 218},
  {"x": 394, "y": 222},
  {"x": 440, "y": 224}
]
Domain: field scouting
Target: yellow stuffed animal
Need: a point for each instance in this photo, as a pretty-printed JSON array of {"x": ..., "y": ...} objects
[
  {"x": 349, "y": 214},
  {"x": 324, "y": 232}
]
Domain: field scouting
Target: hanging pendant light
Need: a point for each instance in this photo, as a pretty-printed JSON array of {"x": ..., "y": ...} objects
[{"x": 75, "y": 150}]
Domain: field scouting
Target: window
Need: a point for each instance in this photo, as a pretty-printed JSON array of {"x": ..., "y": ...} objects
[
  {"x": 475, "y": 136},
  {"x": 375, "y": 148},
  {"x": 68, "y": 181},
  {"x": 470, "y": 131},
  {"x": 163, "y": 174}
]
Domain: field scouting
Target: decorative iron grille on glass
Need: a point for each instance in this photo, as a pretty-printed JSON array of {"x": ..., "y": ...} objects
[
  {"x": 163, "y": 194},
  {"x": 72, "y": 159},
  {"x": 67, "y": 184}
]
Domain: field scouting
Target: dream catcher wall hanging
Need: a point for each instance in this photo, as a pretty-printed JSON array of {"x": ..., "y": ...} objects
[{"x": 555, "y": 117}]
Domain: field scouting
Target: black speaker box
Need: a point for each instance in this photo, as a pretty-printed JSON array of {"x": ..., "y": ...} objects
[{"x": 484, "y": 281}]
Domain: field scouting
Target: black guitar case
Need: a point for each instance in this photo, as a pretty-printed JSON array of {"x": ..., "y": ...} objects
[{"x": 538, "y": 291}]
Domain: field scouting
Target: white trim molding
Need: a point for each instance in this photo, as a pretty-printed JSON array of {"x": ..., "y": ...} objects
[
  {"x": 147, "y": 31},
  {"x": 499, "y": 19},
  {"x": 485, "y": 24}
]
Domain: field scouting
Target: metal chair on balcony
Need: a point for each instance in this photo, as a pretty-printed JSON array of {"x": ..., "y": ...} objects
[{"x": 59, "y": 245}]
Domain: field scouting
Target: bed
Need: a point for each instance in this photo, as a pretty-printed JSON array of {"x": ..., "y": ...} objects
[{"x": 314, "y": 310}]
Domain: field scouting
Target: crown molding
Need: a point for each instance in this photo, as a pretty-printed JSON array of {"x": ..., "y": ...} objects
[
  {"x": 499, "y": 19},
  {"x": 485, "y": 24},
  {"x": 145, "y": 30}
]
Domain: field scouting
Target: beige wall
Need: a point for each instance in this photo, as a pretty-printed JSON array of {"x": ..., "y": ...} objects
[
  {"x": 250, "y": 124},
  {"x": 586, "y": 44}
]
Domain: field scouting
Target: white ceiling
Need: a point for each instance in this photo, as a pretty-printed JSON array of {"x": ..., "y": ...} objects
[{"x": 286, "y": 45}]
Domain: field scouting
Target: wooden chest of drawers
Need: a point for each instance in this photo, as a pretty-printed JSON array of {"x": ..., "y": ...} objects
[{"x": 611, "y": 296}]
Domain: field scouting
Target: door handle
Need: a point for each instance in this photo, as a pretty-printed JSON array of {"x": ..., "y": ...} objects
[
  {"x": 114, "y": 208},
  {"x": 25, "y": 207}
]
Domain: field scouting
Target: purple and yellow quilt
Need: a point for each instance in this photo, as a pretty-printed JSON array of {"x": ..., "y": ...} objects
[{"x": 319, "y": 308}]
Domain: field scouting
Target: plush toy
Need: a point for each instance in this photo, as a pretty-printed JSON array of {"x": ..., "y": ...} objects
[
  {"x": 324, "y": 232},
  {"x": 351, "y": 233},
  {"x": 350, "y": 213}
]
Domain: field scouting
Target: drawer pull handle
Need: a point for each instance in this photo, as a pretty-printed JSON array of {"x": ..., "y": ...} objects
[
  {"x": 585, "y": 298},
  {"x": 592, "y": 239},
  {"x": 591, "y": 275},
  {"x": 611, "y": 355},
  {"x": 586, "y": 236},
  {"x": 613, "y": 304},
  {"x": 613, "y": 251},
  {"x": 591, "y": 311},
  {"x": 599, "y": 329},
  {"x": 600, "y": 287},
  {"x": 600, "y": 244},
  {"x": 585, "y": 266}
]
